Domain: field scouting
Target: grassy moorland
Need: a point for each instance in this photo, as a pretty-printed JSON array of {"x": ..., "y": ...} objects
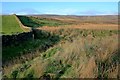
[
  {"x": 82, "y": 22},
  {"x": 79, "y": 54},
  {"x": 65, "y": 52},
  {"x": 73, "y": 19},
  {"x": 10, "y": 25}
]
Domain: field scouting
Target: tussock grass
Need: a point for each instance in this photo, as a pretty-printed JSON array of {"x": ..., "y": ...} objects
[{"x": 79, "y": 54}]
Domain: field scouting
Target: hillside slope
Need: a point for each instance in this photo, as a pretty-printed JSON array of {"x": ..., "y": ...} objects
[
  {"x": 10, "y": 25},
  {"x": 89, "y": 50}
]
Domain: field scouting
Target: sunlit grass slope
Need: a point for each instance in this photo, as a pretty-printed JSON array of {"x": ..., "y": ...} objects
[{"x": 10, "y": 25}]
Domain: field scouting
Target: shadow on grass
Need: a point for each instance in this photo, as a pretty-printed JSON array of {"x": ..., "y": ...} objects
[{"x": 41, "y": 42}]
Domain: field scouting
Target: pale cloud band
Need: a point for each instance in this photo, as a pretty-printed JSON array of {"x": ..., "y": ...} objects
[{"x": 62, "y": 12}]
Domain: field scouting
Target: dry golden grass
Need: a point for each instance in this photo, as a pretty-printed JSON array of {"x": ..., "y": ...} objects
[
  {"x": 39, "y": 67},
  {"x": 8, "y": 70},
  {"x": 89, "y": 70},
  {"x": 84, "y": 64},
  {"x": 83, "y": 26}
]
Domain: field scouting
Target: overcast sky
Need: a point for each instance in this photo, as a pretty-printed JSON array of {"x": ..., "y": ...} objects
[{"x": 60, "y": 8}]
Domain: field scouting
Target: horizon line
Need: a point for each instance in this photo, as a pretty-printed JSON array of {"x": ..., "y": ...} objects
[{"x": 63, "y": 14}]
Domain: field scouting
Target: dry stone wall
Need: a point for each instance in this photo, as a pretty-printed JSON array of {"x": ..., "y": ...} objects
[{"x": 8, "y": 40}]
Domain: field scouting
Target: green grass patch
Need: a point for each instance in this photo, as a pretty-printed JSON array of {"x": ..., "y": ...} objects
[
  {"x": 73, "y": 33},
  {"x": 50, "y": 52},
  {"x": 39, "y": 22},
  {"x": 57, "y": 68},
  {"x": 23, "y": 71},
  {"x": 10, "y": 25}
]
